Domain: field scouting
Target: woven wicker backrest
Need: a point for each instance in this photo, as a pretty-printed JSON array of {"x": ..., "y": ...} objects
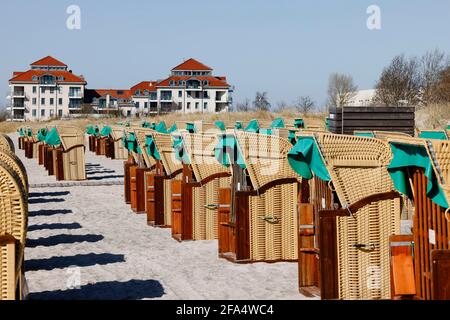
[
  {"x": 265, "y": 157},
  {"x": 164, "y": 145},
  {"x": 390, "y": 134},
  {"x": 141, "y": 137},
  {"x": 70, "y": 136},
  {"x": 13, "y": 211},
  {"x": 358, "y": 168},
  {"x": 117, "y": 132},
  {"x": 439, "y": 151},
  {"x": 16, "y": 164},
  {"x": 200, "y": 149},
  {"x": 6, "y": 143}
]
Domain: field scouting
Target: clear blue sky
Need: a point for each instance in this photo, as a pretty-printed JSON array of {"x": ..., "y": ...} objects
[{"x": 285, "y": 47}]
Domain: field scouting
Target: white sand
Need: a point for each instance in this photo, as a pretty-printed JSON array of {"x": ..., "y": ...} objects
[{"x": 120, "y": 257}]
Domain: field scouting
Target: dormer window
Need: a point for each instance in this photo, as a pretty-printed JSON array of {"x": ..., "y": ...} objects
[
  {"x": 61, "y": 78},
  {"x": 172, "y": 83},
  {"x": 146, "y": 92},
  {"x": 205, "y": 83},
  {"x": 35, "y": 78},
  {"x": 138, "y": 92}
]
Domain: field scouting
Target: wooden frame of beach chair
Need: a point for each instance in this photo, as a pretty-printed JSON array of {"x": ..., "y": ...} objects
[
  {"x": 13, "y": 227},
  {"x": 315, "y": 195},
  {"x": 172, "y": 170},
  {"x": 6, "y": 142},
  {"x": 354, "y": 240},
  {"x": 195, "y": 201},
  {"x": 258, "y": 214},
  {"x": 118, "y": 151},
  {"x": 73, "y": 153},
  {"x": 139, "y": 183}
]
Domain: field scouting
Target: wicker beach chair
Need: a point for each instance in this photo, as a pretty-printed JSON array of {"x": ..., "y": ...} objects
[
  {"x": 260, "y": 210},
  {"x": 13, "y": 226},
  {"x": 202, "y": 179},
  {"x": 73, "y": 153},
  {"x": 120, "y": 153},
  {"x": 6, "y": 143},
  {"x": 16, "y": 164},
  {"x": 172, "y": 171},
  {"x": 358, "y": 170}
]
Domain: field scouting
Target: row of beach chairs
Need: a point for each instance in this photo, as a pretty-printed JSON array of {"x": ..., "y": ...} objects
[{"x": 272, "y": 192}]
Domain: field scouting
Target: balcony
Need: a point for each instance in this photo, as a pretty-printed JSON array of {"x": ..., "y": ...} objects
[
  {"x": 18, "y": 117},
  {"x": 18, "y": 105},
  {"x": 167, "y": 98},
  {"x": 75, "y": 95},
  {"x": 18, "y": 94}
]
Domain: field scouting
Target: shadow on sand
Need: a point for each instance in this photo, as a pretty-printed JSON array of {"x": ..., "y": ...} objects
[
  {"x": 48, "y": 194},
  {"x": 80, "y": 260},
  {"x": 130, "y": 290},
  {"x": 63, "y": 239},
  {"x": 54, "y": 226},
  {"x": 47, "y": 213}
]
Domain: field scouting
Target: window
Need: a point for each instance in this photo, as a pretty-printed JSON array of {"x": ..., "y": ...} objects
[
  {"x": 145, "y": 105},
  {"x": 42, "y": 112},
  {"x": 33, "y": 112},
  {"x": 34, "y": 101},
  {"x": 171, "y": 83},
  {"x": 205, "y": 95},
  {"x": 52, "y": 101},
  {"x": 34, "y": 78},
  {"x": 59, "y": 113},
  {"x": 52, "y": 112},
  {"x": 136, "y": 104},
  {"x": 205, "y": 83},
  {"x": 146, "y": 92},
  {"x": 61, "y": 78},
  {"x": 180, "y": 94},
  {"x": 138, "y": 92},
  {"x": 43, "y": 101},
  {"x": 188, "y": 106},
  {"x": 60, "y": 101},
  {"x": 197, "y": 105},
  {"x": 34, "y": 89},
  {"x": 205, "y": 105},
  {"x": 60, "y": 90},
  {"x": 42, "y": 89},
  {"x": 52, "y": 90},
  {"x": 128, "y": 113},
  {"x": 75, "y": 92}
]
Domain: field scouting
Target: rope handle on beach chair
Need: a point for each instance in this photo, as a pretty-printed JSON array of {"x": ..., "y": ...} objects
[
  {"x": 330, "y": 186},
  {"x": 447, "y": 214},
  {"x": 270, "y": 219},
  {"x": 211, "y": 206}
]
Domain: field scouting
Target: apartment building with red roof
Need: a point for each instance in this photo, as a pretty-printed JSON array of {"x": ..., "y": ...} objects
[{"x": 48, "y": 89}]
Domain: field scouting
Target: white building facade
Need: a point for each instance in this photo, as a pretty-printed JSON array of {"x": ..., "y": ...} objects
[{"x": 48, "y": 90}]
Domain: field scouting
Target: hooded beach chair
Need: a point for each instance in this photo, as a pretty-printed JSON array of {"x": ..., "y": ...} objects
[
  {"x": 353, "y": 240},
  {"x": 6, "y": 142},
  {"x": 13, "y": 227},
  {"x": 258, "y": 214}
]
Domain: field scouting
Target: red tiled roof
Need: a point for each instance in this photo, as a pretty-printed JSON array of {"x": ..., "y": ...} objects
[
  {"x": 144, "y": 85},
  {"x": 49, "y": 61},
  {"x": 192, "y": 64},
  {"x": 125, "y": 94},
  {"x": 212, "y": 81},
  {"x": 28, "y": 76},
  {"x": 16, "y": 73}
]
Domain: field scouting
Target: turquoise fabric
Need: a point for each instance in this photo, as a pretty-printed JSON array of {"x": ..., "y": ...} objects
[
  {"x": 238, "y": 125},
  {"x": 90, "y": 130},
  {"x": 132, "y": 144},
  {"x": 161, "y": 127},
  {"x": 253, "y": 126},
  {"x": 448, "y": 127},
  {"x": 52, "y": 138},
  {"x": 227, "y": 144},
  {"x": 220, "y": 125},
  {"x": 299, "y": 123},
  {"x": 438, "y": 135},
  {"x": 190, "y": 127},
  {"x": 106, "y": 131},
  {"x": 96, "y": 130},
  {"x": 173, "y": 128},
  {"x": 414, "y": 156},
  {"x": 292, "y": 137},
  {"x": 151, "y": 148},
  {"x": 277, "y": 123},
  {"x": 365, "y": 134},
  {"x": 146, "y": 124},
  {"x": 306, "y": 160},
  {"x": 21, "y": 132},
  {"x": 266, "y": 131},
  {"x": 41, "y": 134},
  {"x": 180, "y": 152},
  {"x": 30, "y": 132},
  {"x": 327, "y": 123}
]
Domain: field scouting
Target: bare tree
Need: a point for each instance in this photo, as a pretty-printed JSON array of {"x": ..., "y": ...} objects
[
  {"x": 341, "y": 90},
  {"x": 305, "y": 104},
  {"x": 243, "y": 106},
  {"x": 443, "y": 87},
  {"x": 400, "y": 83},
  {"x": 281, "y": 105},
  {"x": 432, "y": 65},
  {"x": 261, "y": 101}
]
